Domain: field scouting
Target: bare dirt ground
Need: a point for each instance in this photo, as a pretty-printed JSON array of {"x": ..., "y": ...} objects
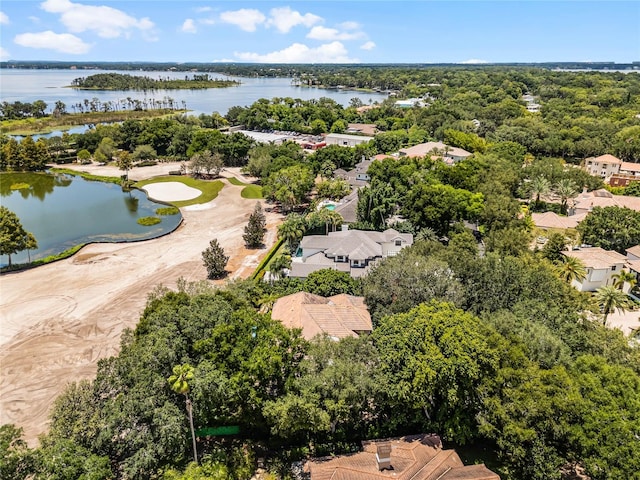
[{"x": 58, "y": 320}]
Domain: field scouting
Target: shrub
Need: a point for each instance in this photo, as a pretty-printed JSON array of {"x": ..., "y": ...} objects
[
  {"x": 149, "y": 221},
  {"x": 167, "y": 211}
]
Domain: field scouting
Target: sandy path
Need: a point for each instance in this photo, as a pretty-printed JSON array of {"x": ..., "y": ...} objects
[{"x": 58, "y": 320}]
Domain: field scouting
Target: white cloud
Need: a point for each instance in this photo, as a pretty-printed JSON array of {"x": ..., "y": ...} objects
[
  {"x": 328, "y": 34},
  {"x": 474, "y": 61},
  {"x": 4, "y": 19},
  {"x": 203, "y": 9},
  {"x": 106, "y": 21},
  {"x": 349, "y": 25},
  {"x": 188, "y": 26},
  {"x": 333, "y": 52},
  {"x": 4, "y": 54},
  {"x": 284, "y": 19},
  {"x": 246, "y": 19},
  {"x": 368, "y": 45},
  {"x": 60, "y": 42},
  {"x": 34, "y": 19},
  {"x": 207, "y": 21}
]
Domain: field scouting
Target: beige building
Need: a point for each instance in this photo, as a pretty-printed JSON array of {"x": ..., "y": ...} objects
[
  {"x": 345, "y": 140},
  {"x": 601, "y": 266},
  {"x": 603, "y": 166},
  {"x": 415, "y": 457},
  {"x": 338, "y": 317},
  {"x": 436, "y": 149}
]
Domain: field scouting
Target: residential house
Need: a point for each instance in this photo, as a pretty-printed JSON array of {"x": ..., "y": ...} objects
[
  {"x": 339, "y": 316},
  {"x": 601, "y": 266},
  {"x": 436, "y": 149},
  {"x": 351, "y": 251},
  {"x": 368, "y": 129},
  {"x": 551, "y": 220},
  {"x": 415, "y": 457},
  {"x": 347, "y": 208},
  {"x": 410, "y": 103},
  {"x": 603, "y": 166},
  {"x": 586, "y": 201},
  {"x": 345, "y": 140},
  {"x": 358, "y": 176}
]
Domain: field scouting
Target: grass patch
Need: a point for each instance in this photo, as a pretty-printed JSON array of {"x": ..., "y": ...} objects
[
  {"x": 167, "y": 211},
  {"x": 149, "y": 221},
  {"x": 19, "y": 186},
  {"x": 262, "y": 267},
  {"x": 88, "y": 176},
  {"x": 236, "y": 182},
  {"x": 51, "y": 258},
  {"x": 209, "y": 189},
  {"x": 252, "y": 191}
]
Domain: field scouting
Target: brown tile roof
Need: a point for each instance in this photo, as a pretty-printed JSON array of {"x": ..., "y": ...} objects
[
  {"x": 416, "y": 457},
  {"x": 553, "y": 220},
  {"x": 635, "y": 250},
  {"x": 603, "y": 198},
  {"x": 596, "y": 257},
  {"x": 606, "y": 158},
  {"x": 423, "y": 149},
  {"x": 629, "y": 167},
  {"x": 339, "y": 316},
  {"x": 369, "y": 129}
]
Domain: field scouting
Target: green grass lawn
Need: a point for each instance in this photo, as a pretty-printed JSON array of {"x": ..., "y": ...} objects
[
  {"x": 250, "y": 190},
  {"x": 209, "y": 189}
]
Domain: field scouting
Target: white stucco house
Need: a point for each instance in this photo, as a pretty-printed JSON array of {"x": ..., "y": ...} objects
[{"x": 601, "y": 266}]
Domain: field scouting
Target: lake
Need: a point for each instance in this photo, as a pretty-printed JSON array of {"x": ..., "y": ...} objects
[
  {"x": 49, "y": 85},
  {"x": 65, "y": 210}
]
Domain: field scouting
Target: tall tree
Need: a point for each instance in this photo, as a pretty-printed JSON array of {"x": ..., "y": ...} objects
[
  {"x": 125, "y": 162},
  {"x": 572, "y": 269},
  {"x": 214, "y": 260},
  {"x": 179, "y": 383},
  {"x": 289, "y": 186},
  {"x": 624, "y": 279},
  {"x": 565, "y": 189},
  {"x": 612, "y": 228},
  {"x": 255, "y": 229},
  {"x": 609, "y": 298},
  {"x": 13, "y": 237},
  {"x": 292, "y": 230}
]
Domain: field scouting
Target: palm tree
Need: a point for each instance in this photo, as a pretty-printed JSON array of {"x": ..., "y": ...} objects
[
  {"x": 609, "y": 298},
  {"x": 565, "y": 189},
  {"x": 179, "y": 384},
  {"x": 624, "y": 277},
  {"x": 572, "y": 269},
  {"x": 539, "y": 186},
  {"x": 276, "y": 269},
  {"x": 292, "y": 230}
]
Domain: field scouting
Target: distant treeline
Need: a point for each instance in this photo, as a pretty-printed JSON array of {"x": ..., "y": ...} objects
[
  {"x": 286, "y": 70},
  {"x": 118, "y": 81}
]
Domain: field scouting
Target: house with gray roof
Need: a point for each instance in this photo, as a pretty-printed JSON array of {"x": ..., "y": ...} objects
[{"x": 350, "y": 251}]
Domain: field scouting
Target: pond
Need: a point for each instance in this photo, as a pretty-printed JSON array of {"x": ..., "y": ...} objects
[{"x": 64, "y": 210}]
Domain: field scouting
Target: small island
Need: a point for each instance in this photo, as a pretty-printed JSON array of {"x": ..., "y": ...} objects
[{"x": 118, "y": 81}]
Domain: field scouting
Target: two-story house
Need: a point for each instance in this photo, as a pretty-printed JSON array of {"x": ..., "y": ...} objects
[
  {"x": 351, "y": 251},
  {"x": 601, "y": 266}
]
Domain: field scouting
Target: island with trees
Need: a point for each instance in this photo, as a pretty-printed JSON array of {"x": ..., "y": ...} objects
[{"x": 118, "y": 81}]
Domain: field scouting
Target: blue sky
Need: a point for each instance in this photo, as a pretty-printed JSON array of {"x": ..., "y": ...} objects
[{"x": 320, "y": 31}]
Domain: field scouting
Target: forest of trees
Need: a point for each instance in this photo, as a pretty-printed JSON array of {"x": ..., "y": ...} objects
[
  {"x": 486, "y": 344},
  {"x": 118, "y": 81}
]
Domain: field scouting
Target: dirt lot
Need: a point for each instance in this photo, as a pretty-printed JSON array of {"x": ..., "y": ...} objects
[{"x": 58, "y": 320}]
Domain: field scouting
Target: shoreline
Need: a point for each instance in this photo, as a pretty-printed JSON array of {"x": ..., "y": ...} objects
[{"x": 61, "y": 318}]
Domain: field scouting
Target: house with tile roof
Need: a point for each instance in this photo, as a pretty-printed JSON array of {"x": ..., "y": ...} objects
[
  {"x": 586, "y": 201},
  {"x": 339, "y": 316},
  {"x": 436, "y": 150},
  {"x": 358, "y": 176},
  {"x": 601, "y": 266},
  {"x": 603, "y": 166},
  {"x": 415, "y": 457},
  {"x": 351, "y": 251}
]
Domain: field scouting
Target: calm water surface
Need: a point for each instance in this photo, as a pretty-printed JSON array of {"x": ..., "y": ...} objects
[
  {"x": 49, "y": 85},
  {"x": 64, "y": 210}
]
